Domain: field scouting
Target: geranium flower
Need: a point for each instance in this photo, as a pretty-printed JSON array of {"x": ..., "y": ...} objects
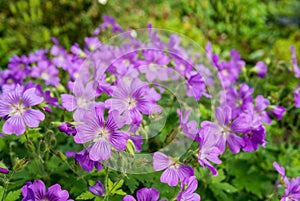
[
  {"x": 144, "y": 194},
  {"x": 174, "y": 170},
  {"x": 16, "y": 105},
  {"x": 187, "y": 193},
  {"x": 103, "y": 134},
  {"x": 36, "y": 191}
]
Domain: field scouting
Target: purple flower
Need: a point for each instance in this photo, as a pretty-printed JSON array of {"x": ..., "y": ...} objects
[
  {"x": 187, "y": 194},
  {"x": 195, "y": 86},
  {"x": 153, "y": 64},
  {"x": 294, "y": 60},
  {"x": 132, "y": 100},
  {"x": 97, "y": 189},
  {"x": 4, "y": 170},
  {"x": 297, "y": 96},
  {"x": 174, "y": 170},
  {"x": 279, "y": 169},
  {"x": 67, "y": 128},
  {"x": 82, "y": 101},
  {"x": 19, "y": 66},
  {"x": 260, "y": 69},
  {"x": 292, "y": 190},
  {"x": 278, "y": 112},
  {"x": 47, "y": 72},
  {"x": 83, "y": 158},
  {"x": 225, "y": 131},
  {"x": 103, "y": 134},
  {"x": 237, "y": 99},
  {"x": 144, "y": 194},
  {"x": 208, "y": 151},
  {"x": 17, "y": 105},
  {"x": 190, "y": 128},
  {"x": 292, "y": 187},
  {"x": 261, "y": 104},
  {"x": 37, "y": 191}
]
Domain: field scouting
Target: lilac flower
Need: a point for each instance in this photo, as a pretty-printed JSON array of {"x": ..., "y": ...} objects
[
  {"x": 19, "y": 66},
  {"x": 131, "y": 101},
  {"x": 83, "y": 158},
  {"x": 174, "y": 170},
  {"x": 187, "y": 194},
  {"x": 260, "y": 69},
  {"x": 279, "y": 169},
  {"x": 82, "y": 101},
  {"x": 208, "y": 151},
  {"x": 4, "y": 170},
  {"x": 153, "y": 64},
  {"x": 47, "y": 72},
  {"x": 37, "y": 191},
  {"x": 261, "y": 104},
  {"x": 292, "y": 187},
  {"x": 297, "y": 96},
  {"x": 225, "y": 131},
  {"x": 292, "y": 190},
  {"x": 67, "y": 128},
  {"x": 17, "y": 105},
  {"x": 190, "y": 128},
  {"x": 278, "y": 112},
  {"x": 195, "y": 86},
  {"x": 103, "y": 134},
  {"x": 294, "y": 59},
  {"x": 144, "y": 194},
  {"x": 237, "y": 99},
  {"x": 97, "y": 189}
]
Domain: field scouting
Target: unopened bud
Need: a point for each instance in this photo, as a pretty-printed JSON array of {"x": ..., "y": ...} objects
[
  {"x": 30, "y": 146},
  {"x": 61, "y": 156},
  {"x": 130, "y": 147},
  {"x": 20, "y": 164},
  {"x": 42, "y": 146}
]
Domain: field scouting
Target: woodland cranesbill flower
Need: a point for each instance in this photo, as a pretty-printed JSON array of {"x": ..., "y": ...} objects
[
  {"x": 47, "y": 72},
  {"x": 154, "y": 65},
  {"x": 260, "y": 69},
  {"x": 225, "y": 131},
  {"x": 174, "y": 170},
  {"x": 190, "y": 128},
  {"x": 16, "y": 104},
  {"x": 297, "y": 96},
  {"x": 97, "y": 189},
  {"x": 131, "y": 100},
  {"x": 278, "y": 111},
  {"x": 104, "y": 134},
  {"x": 292, "y": 187},
  {"x": 36, "y": 191},
  {"x": 83, "y": 158},
  {"x": 294, "y": 60},
  {"x": 187, "y": 193},
  {"x": 144, "y": 194},
  {"x": 208, "y": 150}
]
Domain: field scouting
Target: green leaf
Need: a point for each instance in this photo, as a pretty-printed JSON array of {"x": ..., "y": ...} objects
[
  {"x": 120, "y": 192},
  {"x": 85, "y": 196},
  {"x": 110, "y": 184},
  {"x": 13, "y": 195}
]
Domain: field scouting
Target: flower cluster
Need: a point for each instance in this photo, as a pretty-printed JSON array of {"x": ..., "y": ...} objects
[
  {"x": 112, "y": 90},
  {"x": 292, "y": 187}
]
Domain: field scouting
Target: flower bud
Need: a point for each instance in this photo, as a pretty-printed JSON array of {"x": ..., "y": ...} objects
[
  {"x": 20, "y": 164},
  {"x": 30, "y": 146}
]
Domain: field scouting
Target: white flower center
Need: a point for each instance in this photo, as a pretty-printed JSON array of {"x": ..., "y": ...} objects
[{"x": 131, "y": 103}]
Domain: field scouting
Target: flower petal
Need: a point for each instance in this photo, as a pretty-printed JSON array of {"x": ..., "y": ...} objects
[
  {"x": 33, "y": 117},
  {"x": 15, "y": 124},
  {"x": 170, "y": 177},
  {"x": 30, "y": 98},
  {"x": 128, "y": 198},
  {"x": 160, "y": 161},
  {"x": 185, "y": 171},
  {"x": 147, "y": 194},
  {"x": 119, "y": 140},
  {"x": 100, "y": 150},
  {"x": 68, "y": 102}
]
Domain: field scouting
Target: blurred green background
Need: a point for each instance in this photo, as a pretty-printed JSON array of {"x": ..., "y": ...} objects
[{"x": 256, "y": 28}]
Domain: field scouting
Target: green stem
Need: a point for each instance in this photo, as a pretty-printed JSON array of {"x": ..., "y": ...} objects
[{"x": 6, "y": 182}]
